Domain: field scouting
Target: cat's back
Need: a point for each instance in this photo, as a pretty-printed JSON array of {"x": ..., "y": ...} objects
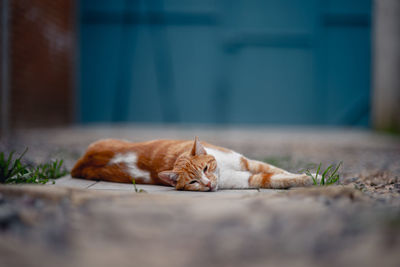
[
  {"x": 152, "y": 156},
  {"x": 120, "y": 146},
  {"x": 109, "y": 148}
]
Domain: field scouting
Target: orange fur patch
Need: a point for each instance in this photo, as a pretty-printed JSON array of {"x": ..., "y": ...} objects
[
  {"x": 153, "y": 156},
  {"x": 244, "y": 164},
  {"x": 260, "y": 180}
]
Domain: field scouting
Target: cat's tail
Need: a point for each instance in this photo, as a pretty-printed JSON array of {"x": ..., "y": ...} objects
[
  {"x": 77, "y": 170},
  {"x": 279, "y": 181}
]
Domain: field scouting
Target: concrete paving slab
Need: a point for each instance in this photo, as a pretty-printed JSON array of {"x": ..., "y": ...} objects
[
  {"x": 129, "y": 187},
  {"x": 72, "y": 182},
  {"x": 72, "y": 227},
  {"x": 69, "y": 227},
  {"x": 68, "y": 181},
  {"x": 157, "y": 189},
  {"x": 225, "y": 192}
]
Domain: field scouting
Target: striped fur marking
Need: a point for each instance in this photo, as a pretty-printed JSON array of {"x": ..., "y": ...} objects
[{"x": 260, "y": 180}]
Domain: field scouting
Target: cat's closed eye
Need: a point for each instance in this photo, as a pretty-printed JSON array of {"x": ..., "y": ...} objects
[
  {"x": 205, "y": 168},
  {"x": 193, "y": 182}
]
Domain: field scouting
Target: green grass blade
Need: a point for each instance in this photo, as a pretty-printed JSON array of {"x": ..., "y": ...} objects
[
  {"x": 319, "y": 168},
  {"x": 336, "y": 169},
  {"x": 23, "y": 154},
  {"x": 2, "y": 161},
  {"x": 17, "y": 162},
  {"x": 324, "y": 174},
  {"x": 335, "y": 179},
  {"x": 308, "y": 173},
  {"x": 9, "y": 158},
  {"x": 8, "y": 170},
  {"x": 134, "y": 184}
]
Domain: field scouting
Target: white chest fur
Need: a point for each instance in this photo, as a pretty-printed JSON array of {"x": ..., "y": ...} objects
[{"x": 229, "y": 168}]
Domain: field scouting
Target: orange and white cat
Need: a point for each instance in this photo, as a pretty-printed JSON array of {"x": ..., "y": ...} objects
[{"x": 187, "y": 165}]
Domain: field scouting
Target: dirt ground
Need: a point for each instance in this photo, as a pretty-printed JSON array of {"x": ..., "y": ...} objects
[{"x": 356, "y": 223}]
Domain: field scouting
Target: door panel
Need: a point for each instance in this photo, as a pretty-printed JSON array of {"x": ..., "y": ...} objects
[{"x": 256, "y": 61}]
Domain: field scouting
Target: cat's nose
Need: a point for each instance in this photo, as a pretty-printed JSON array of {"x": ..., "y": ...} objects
[{"x": 213, "y": 189}]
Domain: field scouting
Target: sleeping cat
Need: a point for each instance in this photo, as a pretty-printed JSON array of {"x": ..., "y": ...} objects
[{"x": 186, "y": 165}]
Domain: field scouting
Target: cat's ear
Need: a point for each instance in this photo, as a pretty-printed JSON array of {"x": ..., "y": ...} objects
[
  {"x": 198, "y": 148},
  {"x": 169, "y": 177}
]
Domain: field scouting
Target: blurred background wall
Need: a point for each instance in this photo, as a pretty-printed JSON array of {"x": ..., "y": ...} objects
[
  {"x": 297, "y": 62},
  {"x": 275, "y": 61},
  {"x": 41, "y": 62},
  {"x": 386, "y": 67}
]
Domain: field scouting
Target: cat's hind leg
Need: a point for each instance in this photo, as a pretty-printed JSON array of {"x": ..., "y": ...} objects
[
  {"x": 106, "y": 173},
  {"x": 247, "y": 180},
  {"x": 255, "y": 166},
  {"x": 268, "y": 176},
  {"x": 100, "y": 166}
]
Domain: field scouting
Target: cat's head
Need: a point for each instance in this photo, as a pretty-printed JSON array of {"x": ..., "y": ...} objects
[{"x": 194, "y": 171}]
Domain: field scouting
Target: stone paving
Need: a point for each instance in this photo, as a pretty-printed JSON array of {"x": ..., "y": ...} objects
[
  {"x": 70, "y": 182},
  {"x": 77, "y": 222}
]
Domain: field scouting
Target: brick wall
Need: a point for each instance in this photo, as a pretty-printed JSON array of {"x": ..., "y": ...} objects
[{"x": 42, "y": 62}]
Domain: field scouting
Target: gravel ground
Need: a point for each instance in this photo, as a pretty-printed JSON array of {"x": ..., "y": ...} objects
[{"x": 356, "y": 223}]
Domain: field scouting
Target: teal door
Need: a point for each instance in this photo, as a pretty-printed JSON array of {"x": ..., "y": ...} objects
[{"x": 255, "y": 61}]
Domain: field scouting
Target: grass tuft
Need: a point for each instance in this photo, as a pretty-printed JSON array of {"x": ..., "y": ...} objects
[
  {"x": 10, "y": 167},
  {"x": 329, "y": 176},
  {"x": 13, "y": 171},
  {"x": 137, "y": 190}
]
